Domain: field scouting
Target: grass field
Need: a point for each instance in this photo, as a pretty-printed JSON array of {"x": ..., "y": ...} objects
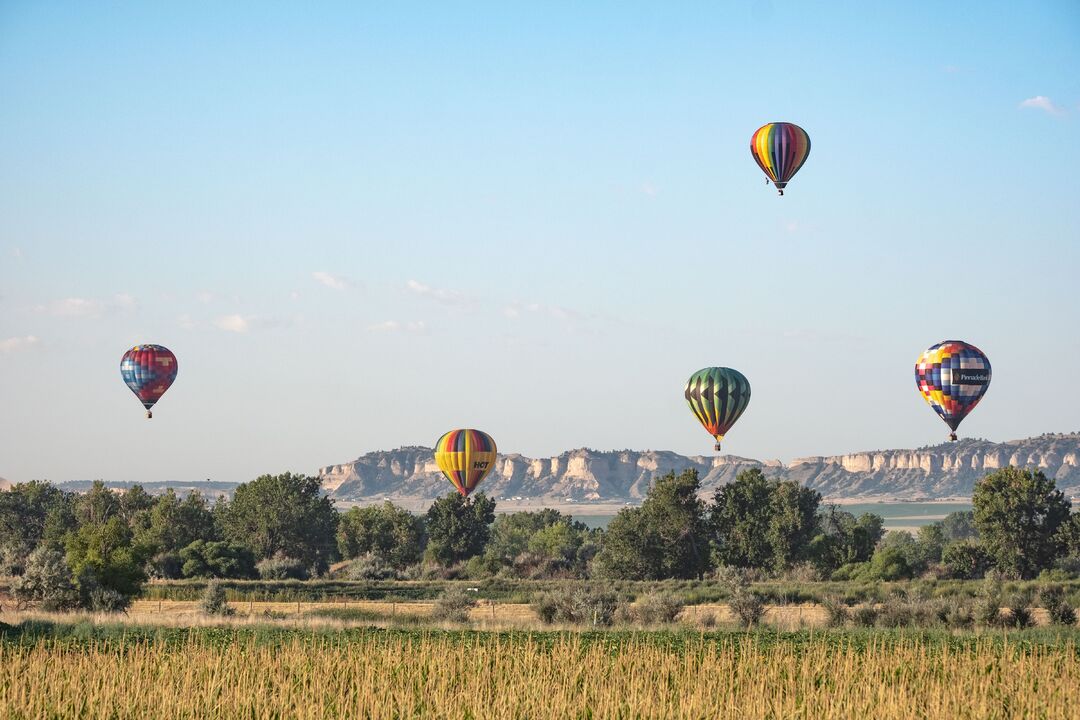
[{"x": 107, "y": 671}]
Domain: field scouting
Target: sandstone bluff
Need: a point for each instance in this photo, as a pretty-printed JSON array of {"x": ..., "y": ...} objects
[{"x": 948, "y": 470}]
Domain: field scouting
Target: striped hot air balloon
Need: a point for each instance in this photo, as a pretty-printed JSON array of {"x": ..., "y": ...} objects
[
  {"x": 717, "y": 396},
  {"x": 952, "y": 377},
  {"x": 780, "y": 149},
  {"x": 148, "y": 370},
  {"x": 465, "y": 458}
]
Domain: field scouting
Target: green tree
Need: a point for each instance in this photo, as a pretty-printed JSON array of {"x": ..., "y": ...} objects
[
  {"x": 217, "y": 559},
  {"x": 391, "y": 533},
  {"x": 285, "y": 514},
  {"x": 173, "y": 524},
  {"x": 102, "y": 558},
  {"x": 965, "y": 560},
  {"x": 959, "y": 526},
  {"x": 458, "y": 527},
  {"x": 97, "y": 505},
  {"x": 135, "y": 504},
  {"x": 741, "y": 515},
  {"x": 845, "y": 539},
  {"x": 32, "y": 514},
  {"x": 667, "y": 537},
  {"x": 792, "y": 523},
  {"x": 1019, "y": 515}
]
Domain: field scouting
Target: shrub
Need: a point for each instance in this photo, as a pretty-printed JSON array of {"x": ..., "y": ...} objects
[
  {"x": 454, "y": 605},
  {"x": 46, "y": 580},
  {"x": 370, "y": 567},
  {"x": 804, "y": 573},
  {"x": 747, "y": 606},
  {"x": 105, "y": 599},
  {"x": 213, "y": 600},
  {"x": 1019, "y": 606},
  {"x": 864, "y": 616},
  {"x": 656, "y": 608},
  {"x": 580, "y": 605},
  {"x": 965, "y": 560},
  {"x": 1052, "y": 599},
  {"x": 836, "y": 612},
  {"x": 988, "y": 605},
  {"x": 281, "y": 567},
  {"x": 166, "y": 565}
]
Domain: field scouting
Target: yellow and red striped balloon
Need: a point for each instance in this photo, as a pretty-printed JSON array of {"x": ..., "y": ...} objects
[
  {"x": 465, "y": 458},
  {"x": 780, "y": 149}
]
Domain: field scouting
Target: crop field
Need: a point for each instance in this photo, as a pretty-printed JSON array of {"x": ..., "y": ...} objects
[{"x": 108, "y": 671}]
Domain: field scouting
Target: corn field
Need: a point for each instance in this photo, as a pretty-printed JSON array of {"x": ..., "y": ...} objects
[{"x": 525, "y": 676}]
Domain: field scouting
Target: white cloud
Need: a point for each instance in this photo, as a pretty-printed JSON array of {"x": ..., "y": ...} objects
[
  {"x": 335, "y": 282},
  {"x": 294, "y": 295},
  {"x": 186, "y": 322},
  {"x": 649, "y": 189},
  {"x": 233, "y": 323},
  {"x": 14, "y": 344},
  {"x": 205, "y": 297},
  {"x": 446, "y": 297},
  {"x": 1041, "y": 102},
  {"x": 76, "y": 307},
  {"x": 517, "y": 309},
  {"x": 394, "y": 326},
  {"x": 16, "y": 253}
]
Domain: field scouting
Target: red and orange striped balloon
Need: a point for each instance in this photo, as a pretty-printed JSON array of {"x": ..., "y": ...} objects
[{"x": 780, "y": 149}]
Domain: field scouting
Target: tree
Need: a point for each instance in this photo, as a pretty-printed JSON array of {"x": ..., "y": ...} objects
[
  {"x": 1019, "y": 515},
  {"x": 959, "y": 526},
  {"x": 740, "y": 518},
  {"x": 965, "y": 560},
  {"x": 97, "y": 505},
  {"x": 47, "y": 580},
  {"x": 458, "y": 527},
  {"x": 105, "y": 563},
  {"x": 32, "y": 514},
  {"x": 792, "y": 524},
  {"x": 667, "y": 537},
  {"x": 845, "y": 539},
  {"x": 285, "y": 514},
  {"x": 217, "y": 559},
  {"x": 173, "y": 524},
  {"x": 538, "y": 543},
  {"x": 391, "y": 533}
]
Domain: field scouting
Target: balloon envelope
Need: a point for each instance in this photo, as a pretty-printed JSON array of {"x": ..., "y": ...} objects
[
  {"x": 148, "y": 370},
  {"x": 717, "y": 396},
  {"x": 952, "y": 376},
  {"x": 780, "y": 149},
  {"x": 465, "y": 458}
]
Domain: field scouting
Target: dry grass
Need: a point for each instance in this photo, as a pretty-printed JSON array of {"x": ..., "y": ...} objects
[{"x": 492, "y": 676}]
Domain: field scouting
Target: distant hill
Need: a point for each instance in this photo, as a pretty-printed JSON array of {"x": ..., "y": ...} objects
[
  {"x": 4, "y": 485},
  {"x": 941, "y": 471}
]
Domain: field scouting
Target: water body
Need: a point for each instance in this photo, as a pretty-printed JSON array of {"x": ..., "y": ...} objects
[{"x": 898, "y": 515}]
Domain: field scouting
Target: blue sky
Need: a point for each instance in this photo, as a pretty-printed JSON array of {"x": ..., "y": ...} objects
[{"x": 360, "y": 225}]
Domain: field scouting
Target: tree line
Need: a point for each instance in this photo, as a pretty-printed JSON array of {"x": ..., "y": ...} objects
[{"x": 95, "y": 550}]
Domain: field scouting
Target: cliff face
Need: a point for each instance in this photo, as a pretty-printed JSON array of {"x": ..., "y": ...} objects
[{"x": 940, "y": 471}]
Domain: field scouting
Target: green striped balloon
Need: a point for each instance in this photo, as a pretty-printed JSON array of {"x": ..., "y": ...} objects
[{"x": 717, "y": 396}]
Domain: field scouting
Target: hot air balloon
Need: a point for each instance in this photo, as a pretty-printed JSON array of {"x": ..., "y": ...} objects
[
  {"x": 465, "y": 458},
  {"x": 718, "y": 396},
  {"x": 780, "y": 149},
  {"x": 148, "y": 370},
  {"x": 953, "y": 376}
]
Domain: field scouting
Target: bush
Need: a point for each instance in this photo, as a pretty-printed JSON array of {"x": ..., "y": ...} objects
[
  {"x": 281, "y": 567},
  {"x": 865, "y": 616},
  {"x": 1052, "y": 599},
  {"x": 1020, "y": 616},
  {"x": 370, "y": 567},
  {"x": 836, "y": 612},
  {"x": 46, "y": 580},
  {"x": 454, "y": 605},
  {"x": 747, "y": 606},
  {"x": 965, "y": 560},
  {"x": 106, "y": 600},
  {"x": 656, "y": 608},
  {"x": 988, "y": 605},
  {"x": 166, "y": 565},
  {"x": 580, "y": 606},
  {"x": 213, "y": 600}
]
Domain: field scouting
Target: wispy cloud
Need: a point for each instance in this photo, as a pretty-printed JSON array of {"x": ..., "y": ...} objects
[
  {"x": 233, "y": 323},
  {"x": 335, "y": 282},
  {"x": 185, "y": 322},
  {"x": 388, "y": 326},
  {"x": 239, "y": 323},
  {"x": 88, "y": 308},
  {"x": 14, "y": 344},
  {"x": 517, "y": 309},
  {"x": 205, "y": 297},
  {"x": 441, "y": 295},
  {"x": 17, "y": 253},
  {"x": 1041, "y": 102}
]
